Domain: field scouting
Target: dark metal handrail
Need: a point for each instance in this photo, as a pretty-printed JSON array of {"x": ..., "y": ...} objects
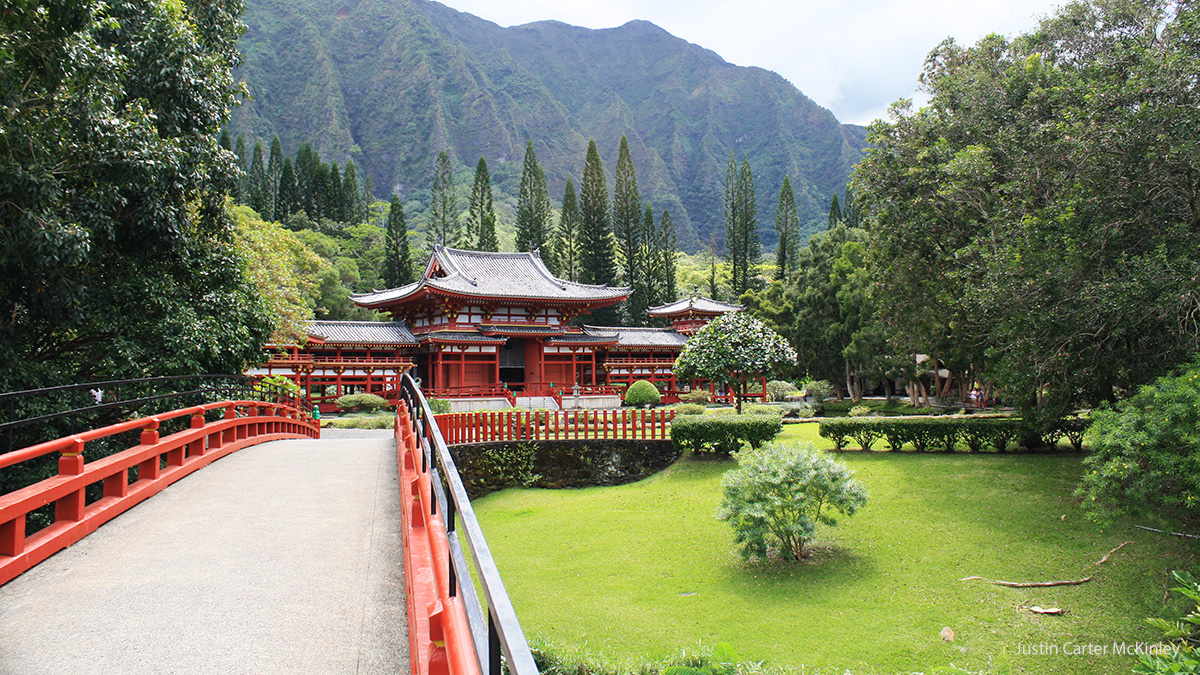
[
  {"x": 502, "y": 632},
  {"x": 229, "y": 386}
]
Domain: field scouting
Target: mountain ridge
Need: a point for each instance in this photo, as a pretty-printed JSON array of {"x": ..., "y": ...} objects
[{"x": 389, "y": 83}]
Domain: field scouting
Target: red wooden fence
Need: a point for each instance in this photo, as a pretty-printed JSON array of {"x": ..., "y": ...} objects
[{"x": 551, "y": 425}]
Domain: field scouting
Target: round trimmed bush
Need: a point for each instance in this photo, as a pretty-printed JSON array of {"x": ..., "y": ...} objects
[
  {"x": 642, "y": 393},
  {"x": 860, "y": 411},
  {"x": 361, "y": 403},
  {"x": 777, "y": 390}
]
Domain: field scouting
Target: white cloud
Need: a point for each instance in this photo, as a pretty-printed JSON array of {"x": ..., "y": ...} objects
[{"x": 853, "y": 58}]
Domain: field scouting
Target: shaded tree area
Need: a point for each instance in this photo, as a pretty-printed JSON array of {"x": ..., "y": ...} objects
[
  {"x": 1038, "y": 224},
  {"x": 117, "y": 254}
]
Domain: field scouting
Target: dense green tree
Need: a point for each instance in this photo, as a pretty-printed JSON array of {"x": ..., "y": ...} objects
[
  {"x": 835, "y": 212},
  {"x": 787, "y": 228},
  {"x": 260, "y": 193},
  {"x": 651, "y": 264},
  {"x": 444, "y": 208},
  {"x": 534, "y": 209},
  {"x": 628, "y": 230},
  {"x": 742, "y": 246},
  {"x": 566, "y": 243},
  {"x": 117, "y": 255},
  {"x": 274, "y": 175},
  {"x": 479, "y": 208},
  {"x": 289, "y": 193},
  {"x": 352, "y": 208},
  {"x": 734, "y": 350},
  {"x": 1038, "y": 220},
  {"x": 242, "y": 190},
  {"x": 596, "y": 264},
  {"x": 397, "y": 261},
  {"x": 668, "y": 246}
]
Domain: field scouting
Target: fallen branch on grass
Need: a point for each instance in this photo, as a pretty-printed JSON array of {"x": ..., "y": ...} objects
[
  {"x": 1031, "y": 584},
  {"x": 1176, "y": 534},
  {"x": 1045, "y": 610},
  {"x": 1105, "y": 558}
]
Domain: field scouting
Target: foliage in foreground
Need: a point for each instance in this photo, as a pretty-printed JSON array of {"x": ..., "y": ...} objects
[
  {"x": 116, "y": 252},
  {"x": 723, "y": 434},
  {"x": 780, "y": 493},
  {"x": 1182, "y": 636},
  {"x": 1146, "y": 459}
]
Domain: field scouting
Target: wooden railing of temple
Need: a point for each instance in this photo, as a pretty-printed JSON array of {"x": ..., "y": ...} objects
[
  {"x": 551, "y": 425},
  {"x": 133, "y": 475},
  {"x": 450, "y": 631}
]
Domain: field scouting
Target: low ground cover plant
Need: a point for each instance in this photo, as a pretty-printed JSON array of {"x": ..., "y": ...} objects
[
  {"x": 778, "y": 496},
  {"x": 688, "y": 408},
  {"x": 696, "y": 396}
]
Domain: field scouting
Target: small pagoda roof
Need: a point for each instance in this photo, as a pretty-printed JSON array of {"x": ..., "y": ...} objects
[
  {"x": 697, "y": 304},
  {"x": 362, "y": 332},
  {"x": 635, "y": 338},
  {"x": 484, "y": 274},
  {"x": 583, "y": 340},
  {"x": 520, "y": 331}
]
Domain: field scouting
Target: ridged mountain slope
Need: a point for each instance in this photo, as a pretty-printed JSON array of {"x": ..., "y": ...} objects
[{"x": 392, "y": 82}]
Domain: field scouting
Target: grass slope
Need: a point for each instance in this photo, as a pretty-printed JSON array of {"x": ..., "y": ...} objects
[{"x": 642, "y": 571}]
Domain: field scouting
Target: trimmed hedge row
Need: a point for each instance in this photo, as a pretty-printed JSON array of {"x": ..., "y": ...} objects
[
  {"x": 723, "y": 434},
  {"x": 942, "y": 434}
]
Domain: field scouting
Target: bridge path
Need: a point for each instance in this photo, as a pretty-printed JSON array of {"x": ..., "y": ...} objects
[{"x": 280, "y": 558}]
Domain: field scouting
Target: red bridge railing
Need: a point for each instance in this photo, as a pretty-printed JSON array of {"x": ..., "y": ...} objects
[
  {"x": 551, "y": 425},
  {"x": 450, "y": 631},
  {"x": 130, "y": 476}
]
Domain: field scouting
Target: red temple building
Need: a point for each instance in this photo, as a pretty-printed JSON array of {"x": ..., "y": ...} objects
[{"x": 489, "y": 329}]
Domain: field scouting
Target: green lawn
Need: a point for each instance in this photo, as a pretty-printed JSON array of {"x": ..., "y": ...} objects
[{"x": 643, "y": 571}]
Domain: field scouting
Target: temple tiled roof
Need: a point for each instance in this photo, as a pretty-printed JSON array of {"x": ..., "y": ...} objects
[
  {"x": 446, "y": 337},
  {"x": 582, "y": 340},
  {"x": 531, "y": 331},
  {"x": 363, "y": 332},
  {"x": 696, "y": 303},
  {"x": 494, "y": 275},
  {"x": 639, "y": 337}
]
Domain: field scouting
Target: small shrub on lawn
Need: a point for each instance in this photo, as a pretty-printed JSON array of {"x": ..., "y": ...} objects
[
  {"x": 777, "y": 390},
  {"x": 778, "y": 496},
  {"x": 696, "y": 396},
  {"x": 723, "y": 434},
  {"x": 642, "y": 393},
  {"x": 802, "y": 411},
  {"x": 361, "y": 402},
  {"x": 761, "y": 409},
  {"x": 688, "y": 409},
  {"x": 819, "y": 390},
  {"x": 860, "y": 411}
]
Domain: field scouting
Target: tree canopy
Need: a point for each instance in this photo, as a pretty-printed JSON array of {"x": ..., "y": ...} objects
[
  {"x": 1039, "y": 220},
  {"x": 733, "y": 350},
  {"x": 117, "y": 254}
]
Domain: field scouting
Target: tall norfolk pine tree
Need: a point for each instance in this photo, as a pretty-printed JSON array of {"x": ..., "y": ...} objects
[
  {"x": 444, "y": 225},
  {"x": 533, "y": 209},
  {"x": 566, "y": 240},
  {"x": 742, "y": 246},
  {"x": 596, "y": 264},
  {"x": 397, "y": 261},
  {"x": 787, "y": 226},
  {"x": 628, "y": 227},
  {"x": 479, "y": 208}
]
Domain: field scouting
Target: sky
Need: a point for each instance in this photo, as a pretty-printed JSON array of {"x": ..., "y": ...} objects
[{"x": 853, "y": 58}]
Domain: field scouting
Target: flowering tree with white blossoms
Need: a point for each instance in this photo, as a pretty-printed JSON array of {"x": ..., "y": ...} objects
[{"x": 733, "y": 350}]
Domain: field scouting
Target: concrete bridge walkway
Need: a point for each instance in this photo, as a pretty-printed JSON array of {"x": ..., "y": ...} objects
[{"x": 281, "y": 558}]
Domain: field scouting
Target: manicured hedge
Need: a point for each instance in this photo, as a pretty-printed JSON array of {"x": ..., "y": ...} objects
[
  {"x": 723, "y": 434},
  {"x": 942, "y": 434}
]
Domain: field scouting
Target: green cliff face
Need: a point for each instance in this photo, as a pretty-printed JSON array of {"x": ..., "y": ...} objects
[{"x": 389, "y": 83}]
